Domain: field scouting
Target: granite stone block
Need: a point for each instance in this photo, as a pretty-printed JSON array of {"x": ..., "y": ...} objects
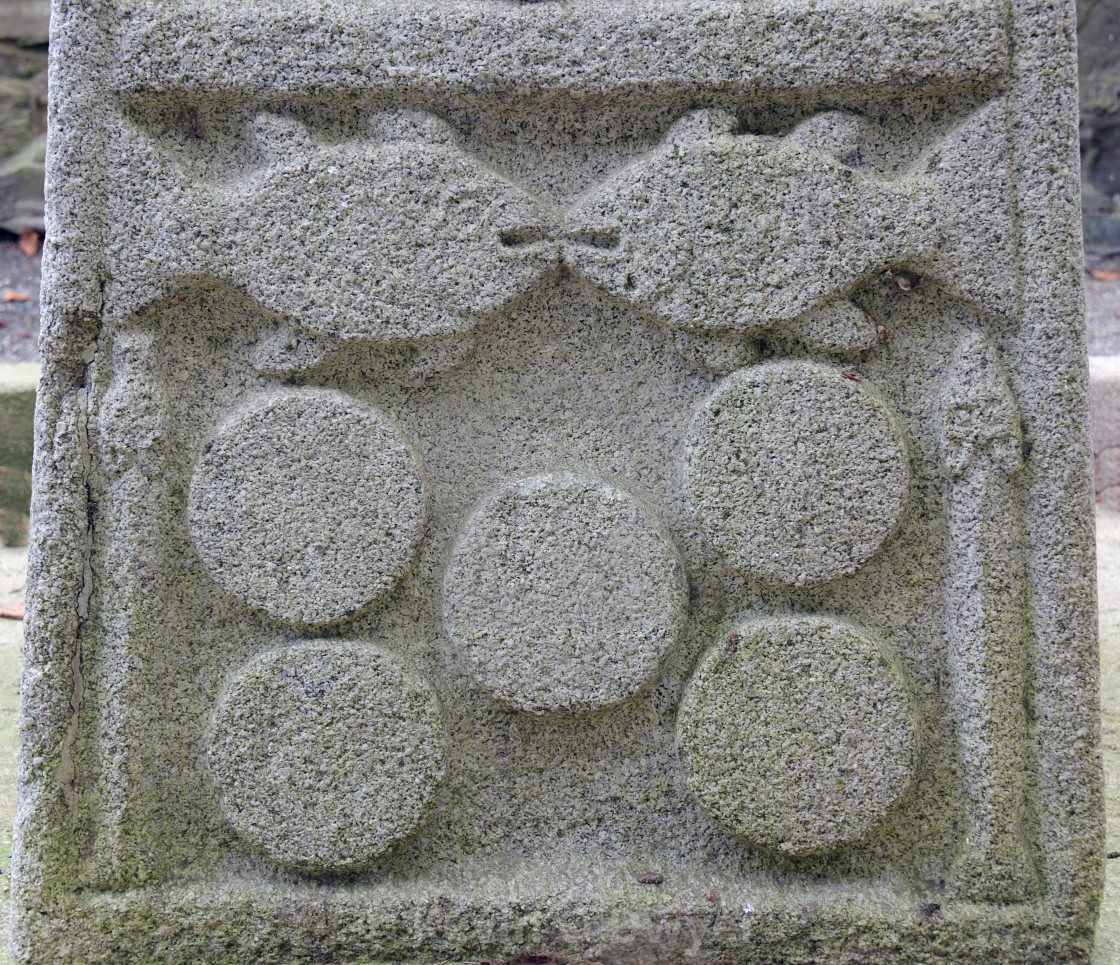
[{"x": 561, "y": 481}]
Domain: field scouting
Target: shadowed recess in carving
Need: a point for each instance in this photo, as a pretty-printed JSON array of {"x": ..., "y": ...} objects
[
  {"x": 796, "y": 473},
  {"x": 307, "y": 506},
  {"x": 796, "y": 734},
  {"x": 606, "y": 238},
  {"x": 564, "y": 593},
  {"x": 326, "y": 754}
]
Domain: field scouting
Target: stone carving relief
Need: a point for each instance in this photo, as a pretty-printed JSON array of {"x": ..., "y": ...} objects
[
  {"x": 307, "y": 506},
  {"x": 559, "y": 505},
  {"x": 988, "y": 633},
  {"x": 796, "y": 473},
  {"x": 325, "y": 754},
  {"x": 719, "y": 262},
  {"x": 564, "y": 592},
  {"x": 797, "y": 733}
]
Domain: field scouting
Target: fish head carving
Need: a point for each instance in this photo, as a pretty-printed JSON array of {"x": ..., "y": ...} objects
[
  {"x": 741, "y": 231},
  {"x": 365, "y": 240}
]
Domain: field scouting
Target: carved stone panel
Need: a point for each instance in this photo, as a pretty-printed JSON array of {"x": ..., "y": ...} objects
[{"x": 561, "y": 481}]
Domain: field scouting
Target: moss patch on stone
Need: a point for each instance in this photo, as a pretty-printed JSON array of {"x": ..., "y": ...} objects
[{"x": 17, "y": 407}]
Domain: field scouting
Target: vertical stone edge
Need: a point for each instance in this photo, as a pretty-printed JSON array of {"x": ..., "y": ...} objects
[
  {"x": 1048, "y": 358},
  {"x": 45, "y": 853}
]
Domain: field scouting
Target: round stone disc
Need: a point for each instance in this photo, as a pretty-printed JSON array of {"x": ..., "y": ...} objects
[
  {"x": 796, "y": 734},
  {"x": 326, "y": 754},
  {"x": 796, "y": 473},
  {"x": 564, "y": 592},
  {"x": 307, "y": 506}
]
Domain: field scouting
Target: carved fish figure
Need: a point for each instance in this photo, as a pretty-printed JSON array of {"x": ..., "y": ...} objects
[
  {"x": 390, "y": 238},
  {"x": 404, "y": 236},
  {"x": 724, "y": 231}
]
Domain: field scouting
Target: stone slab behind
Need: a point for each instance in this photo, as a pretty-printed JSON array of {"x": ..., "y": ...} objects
[{"x": 23, "y": 112}]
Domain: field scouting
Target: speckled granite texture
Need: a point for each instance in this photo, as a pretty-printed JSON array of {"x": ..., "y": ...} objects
[{"x": 601, "y": 481}]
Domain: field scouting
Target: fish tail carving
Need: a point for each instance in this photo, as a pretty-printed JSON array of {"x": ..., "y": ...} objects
[
  {"x": 150, "y": 253},
  {"x": 970, "y": 173}
]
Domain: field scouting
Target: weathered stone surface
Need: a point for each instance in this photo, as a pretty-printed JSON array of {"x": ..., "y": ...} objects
[
  {"x": 565, "y": 593},
  {"x": 796, "y": 473},
  {"x": 797, "y": 734},
  {"x": 599, "y": 481},
  {"x": 325, "y": 754},
  {"x": 306, "y": 506}
]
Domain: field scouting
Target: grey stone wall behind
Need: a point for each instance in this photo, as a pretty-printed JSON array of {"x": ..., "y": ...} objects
[{"x": 23, "y": 110}]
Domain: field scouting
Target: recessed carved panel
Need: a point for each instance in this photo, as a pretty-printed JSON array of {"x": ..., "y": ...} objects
[{"x": 560, "y": 481}]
